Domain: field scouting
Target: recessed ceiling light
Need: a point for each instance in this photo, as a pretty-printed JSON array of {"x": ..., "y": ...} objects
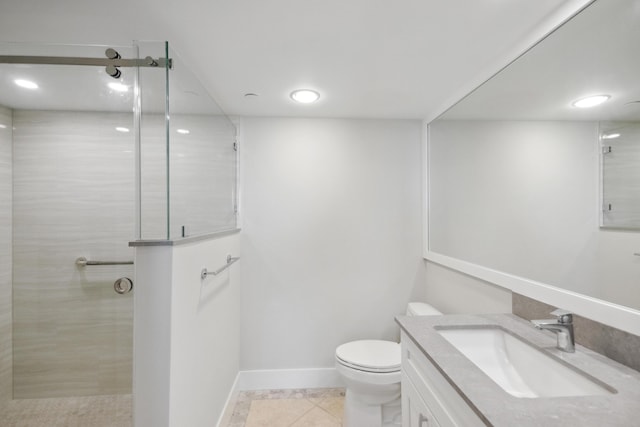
[
  {"x": 591, "y": 101},
  {"x": 119, "y": 87},
  {"x": 305, "y": 96},
  {"x": 27, "y": 84},
  {"x": 122, "y": 129},
  {"x": 183, "y": 131},
  {"x": 611, "y": 136}
]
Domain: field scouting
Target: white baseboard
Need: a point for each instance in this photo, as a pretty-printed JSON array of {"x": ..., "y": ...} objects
[{"x": 288, "y": 378}]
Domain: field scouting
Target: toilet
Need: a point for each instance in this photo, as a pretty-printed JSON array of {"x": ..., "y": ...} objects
[{"x": 370, "y": 370}]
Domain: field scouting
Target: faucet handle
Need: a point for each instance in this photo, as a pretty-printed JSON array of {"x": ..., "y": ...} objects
[{"x": 564, "y": 316}]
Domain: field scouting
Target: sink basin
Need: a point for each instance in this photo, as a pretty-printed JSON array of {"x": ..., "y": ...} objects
[{"x": 520, "y": 368}]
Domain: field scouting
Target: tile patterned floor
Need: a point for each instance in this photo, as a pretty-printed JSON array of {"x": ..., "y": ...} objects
[
  {"x": 321, "y": 407},
  {"x": 89, "y": 411}
]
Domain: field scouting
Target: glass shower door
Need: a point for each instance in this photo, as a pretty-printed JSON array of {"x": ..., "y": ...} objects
[{"x": 70, "y": 154}]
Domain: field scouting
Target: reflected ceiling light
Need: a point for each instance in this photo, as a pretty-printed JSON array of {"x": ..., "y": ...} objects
[
  {"x": 305, "y": 96},
  {"x": 183, "y": 131},
  {"x": 119, "y": 87},
  {"x": 611, "y": 136},
  {"x": 3, "y": 126},
  {"x": 27, "y": 84},
  {"x": 591, "y": 101},
  {"x": 122, "y": 129}
]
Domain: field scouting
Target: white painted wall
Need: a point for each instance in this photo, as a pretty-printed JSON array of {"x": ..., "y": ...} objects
[
  {"x": 331, "y": 240},
  {"x": 152, "y": 335},
  {"x": 205, "y": 331},
  {"x": 455, "y": 292},
  {"x": 187, "y": 333}
]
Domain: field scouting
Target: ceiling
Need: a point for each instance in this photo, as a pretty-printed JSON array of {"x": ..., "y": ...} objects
[{"x": 368, "y": 58}]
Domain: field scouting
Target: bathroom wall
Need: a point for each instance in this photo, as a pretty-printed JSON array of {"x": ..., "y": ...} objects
[
  {"x": 456, "y": 293},
  {"x": 73, "y": 196},
  {"x": 331, "y": 235},
  {"x": 187, "y": 332},
  {"x": 5, "y": 253}
]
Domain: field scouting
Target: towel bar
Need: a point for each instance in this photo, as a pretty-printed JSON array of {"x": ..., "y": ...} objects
[{"x": 230, "y": 260}]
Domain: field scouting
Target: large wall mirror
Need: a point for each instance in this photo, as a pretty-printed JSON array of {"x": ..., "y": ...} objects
[{"x": 526, "y": 185}]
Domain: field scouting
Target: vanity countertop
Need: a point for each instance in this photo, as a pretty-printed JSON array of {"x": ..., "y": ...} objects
[{"x": 498, "y": 408}]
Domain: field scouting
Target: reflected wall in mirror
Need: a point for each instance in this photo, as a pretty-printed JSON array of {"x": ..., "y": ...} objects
[
  {"x": 515, "y": 168},
  {"x": 620, "y": 174}
]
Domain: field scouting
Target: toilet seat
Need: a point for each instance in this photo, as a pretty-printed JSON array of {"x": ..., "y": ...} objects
[
  {"x": 370, "y": 371},
  {"x": 374, "y": 356}
]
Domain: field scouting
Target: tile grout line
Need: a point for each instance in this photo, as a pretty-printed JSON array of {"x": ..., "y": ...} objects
[
  {"x": 330, "y": 414},
  {"x": 326, "y": 393},
  {"x": 313, "y": 405},
  {"x": 316, "y": 405}
]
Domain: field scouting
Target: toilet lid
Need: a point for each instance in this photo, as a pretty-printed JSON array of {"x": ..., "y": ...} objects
[{"x": 370, "y": 355}]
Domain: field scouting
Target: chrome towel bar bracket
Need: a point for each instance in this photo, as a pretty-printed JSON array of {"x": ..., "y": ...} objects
[
  {"x": 230, "y": 260},
  {"x": 83, "y": 262}
]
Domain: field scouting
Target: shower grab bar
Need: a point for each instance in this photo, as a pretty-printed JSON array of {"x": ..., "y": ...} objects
[
  {"x": 230, "y": 260},
  {"x": 83, "y": 262}
]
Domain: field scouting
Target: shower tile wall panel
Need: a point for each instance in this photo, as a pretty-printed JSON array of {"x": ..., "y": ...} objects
[
  {"x": 73, "y": 196},
  {"x": 5, "y": 254},
  {"x": 203, "y": 174},
  {"x": 153, "y": 177}
]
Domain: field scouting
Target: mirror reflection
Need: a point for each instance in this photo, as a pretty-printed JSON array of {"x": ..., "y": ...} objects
[
  {"x": 620, "y": 174},
  {"x": 526, "y": 179}
]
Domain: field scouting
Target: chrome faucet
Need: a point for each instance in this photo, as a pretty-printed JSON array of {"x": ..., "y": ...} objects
[{"x": 562, "y": 325}]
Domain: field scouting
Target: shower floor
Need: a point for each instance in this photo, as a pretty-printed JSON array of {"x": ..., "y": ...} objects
[{"x": 94, "y": 411}]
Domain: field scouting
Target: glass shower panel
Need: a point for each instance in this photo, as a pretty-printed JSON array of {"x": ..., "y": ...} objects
[
  {"x": 620, "y": 174},
  {"x": 203, "y": 158},
  {"x": 72, "y": 196},
  {"x": 187, "y": 154},
  {"x": 153, "y": 156}
]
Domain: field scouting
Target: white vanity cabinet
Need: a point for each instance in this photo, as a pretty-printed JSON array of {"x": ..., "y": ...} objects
[
  {"x": 428, "y": 400},
  {"x": 415, "y": 412}
]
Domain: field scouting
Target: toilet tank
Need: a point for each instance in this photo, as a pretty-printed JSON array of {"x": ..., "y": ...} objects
[{"x": 421, "y": 309}]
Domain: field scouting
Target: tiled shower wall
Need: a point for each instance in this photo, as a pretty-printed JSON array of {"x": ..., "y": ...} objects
[
  {"x": 73, "y": 196},
  {"x": 5, "y": 254}
]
